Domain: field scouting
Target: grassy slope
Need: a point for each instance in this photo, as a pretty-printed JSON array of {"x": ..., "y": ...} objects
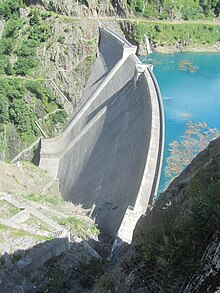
[{"x": 199, "y": 34}]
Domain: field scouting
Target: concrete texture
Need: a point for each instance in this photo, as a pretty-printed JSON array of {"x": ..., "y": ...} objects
[{"x": 110, "y": 154}]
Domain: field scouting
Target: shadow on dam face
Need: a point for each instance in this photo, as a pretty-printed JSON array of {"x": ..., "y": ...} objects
[{"x": 106, "y": 166}]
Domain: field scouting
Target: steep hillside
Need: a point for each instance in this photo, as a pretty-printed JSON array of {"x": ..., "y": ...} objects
[
  {"x": 41, "y": 236},
  {"x": 176, "y": 245},
  {"x": 47, "y": 49},
  {"x": 176, "y": 10},
  {"x": 45, "y": 62},
  {"x": 84, "y": 7}
]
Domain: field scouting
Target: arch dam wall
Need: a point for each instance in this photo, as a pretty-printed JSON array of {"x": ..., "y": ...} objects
[{"x": 109, "y": 156}]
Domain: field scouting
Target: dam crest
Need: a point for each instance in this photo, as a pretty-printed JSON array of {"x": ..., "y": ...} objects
[{"x": 109, "y": 156}]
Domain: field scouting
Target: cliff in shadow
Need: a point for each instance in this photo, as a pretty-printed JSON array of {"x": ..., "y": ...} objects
[{"x": 176, "y": 244}]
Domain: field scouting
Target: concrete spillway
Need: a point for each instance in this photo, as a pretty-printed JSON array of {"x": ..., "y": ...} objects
[{"x": 109, "y": 156}]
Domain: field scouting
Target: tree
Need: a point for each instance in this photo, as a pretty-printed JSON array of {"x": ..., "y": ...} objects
[
  {"x": 8, "y": 68},
  {"x": 10, "y": 8},
  {"x": 24, "y": 65},
  {"x": 4, "y": 109},
  {"x": 35, "y": 19},
  {"x": 6, "y": 46}
]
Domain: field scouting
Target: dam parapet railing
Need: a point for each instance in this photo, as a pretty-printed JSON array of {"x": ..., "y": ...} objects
[{"x": 110, "y": 153}]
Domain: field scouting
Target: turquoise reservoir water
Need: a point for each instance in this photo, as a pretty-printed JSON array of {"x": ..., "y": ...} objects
[{"x": 190, "y": 88}]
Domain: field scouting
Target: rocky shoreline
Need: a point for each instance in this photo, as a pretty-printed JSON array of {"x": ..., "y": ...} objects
[
  {"x": 178, "y": 48},
  {"x": 214, "y": 48}
]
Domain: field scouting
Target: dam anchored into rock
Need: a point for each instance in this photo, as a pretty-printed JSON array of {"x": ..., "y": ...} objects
[{"x": 109, "y": 157}]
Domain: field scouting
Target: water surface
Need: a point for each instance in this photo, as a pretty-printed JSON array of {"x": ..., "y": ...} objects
[{"x": 186, "y": 95}]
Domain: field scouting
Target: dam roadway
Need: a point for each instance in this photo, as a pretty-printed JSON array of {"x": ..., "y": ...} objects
[{"x": 109, "y": 156}]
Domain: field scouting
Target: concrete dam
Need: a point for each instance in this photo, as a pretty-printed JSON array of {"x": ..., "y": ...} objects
[{"x": 109, "y": 156}]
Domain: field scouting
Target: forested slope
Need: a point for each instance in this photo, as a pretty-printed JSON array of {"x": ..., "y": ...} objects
[{"x": 178, "y": 9}]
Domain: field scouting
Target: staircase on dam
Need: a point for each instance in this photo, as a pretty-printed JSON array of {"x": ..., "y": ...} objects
[{"x": 109, "y": 156}]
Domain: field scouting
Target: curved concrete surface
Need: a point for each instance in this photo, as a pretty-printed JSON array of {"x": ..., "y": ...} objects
[{"x": 109, "y": 156}]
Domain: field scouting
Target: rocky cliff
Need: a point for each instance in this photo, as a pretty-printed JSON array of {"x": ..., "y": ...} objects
[
  {"x": 176, "y": 244},
  {"x": 84, "y": 7},
  {"x": 53, "y": 46}
]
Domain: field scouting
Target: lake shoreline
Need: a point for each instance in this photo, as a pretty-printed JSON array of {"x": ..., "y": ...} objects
[{"x": 214, "y": 48}]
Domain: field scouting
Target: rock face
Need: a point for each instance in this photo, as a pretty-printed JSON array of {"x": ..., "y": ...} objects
[
  {"x": 208, "y": 275},
  {"x": 84, "y": 7},
  {"x": 64, "y": 60},
  {"x": 66, "y": 57},
  {"x": 70, "y": 51},
  {"x": 176, "y": 245}
]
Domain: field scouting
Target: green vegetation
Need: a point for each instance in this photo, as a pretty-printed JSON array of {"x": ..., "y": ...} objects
[
  {"x": 14, "y": 233},
  {"x": 22, "y": 102},
  {"x": 175, "y": 32},
  {"x": 58, "y": 117},
  {"x": 106, "y": 284},
  {"x": 79, "y": 227},
  {"x": 7, "y": 210},
  {"x": 21, "y": 38},
  {"x": 61, "y": 39},
  {"x": 178, "y": 9},
  {"x": 177, "y": 239},
  {"x": 54, "y": 200},
  {"x": 2, "y": 261},
  {"x": 170, "y": 34},
  {"x": 10, "y": 8},
  {"x": 3, "y": 228},
  {"x": 94, "y": 268},
  {"x": 35, "y": 223},
  {"x": 15, "y": 109},
  {"x": 40, "y": 92}
]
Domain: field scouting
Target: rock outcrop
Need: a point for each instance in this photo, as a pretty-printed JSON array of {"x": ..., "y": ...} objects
[
  {"x": 176, "y": 244},
  {"x": 84, "y": 7}
]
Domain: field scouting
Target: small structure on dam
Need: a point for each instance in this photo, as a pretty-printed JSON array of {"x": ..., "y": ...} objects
[{"x": 109, "y": 156}]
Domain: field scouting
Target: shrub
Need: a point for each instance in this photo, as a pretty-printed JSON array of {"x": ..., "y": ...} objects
[
  {"x": 6, "y": 46},
  {"x": 23, "y": 119},
  {"x": 59, "y": 117},
  {"x": 24, "y": 65},
  {"x": 27, "y": 49},
  {"x": 4, "y": 109},
  {"x": 35, "y": 17},
  {"x": 10, "y": 8},
  {"x": 177, "y": 238},
  {"x": 11, "y": 28},
  {"x": 61, "y": 39}
]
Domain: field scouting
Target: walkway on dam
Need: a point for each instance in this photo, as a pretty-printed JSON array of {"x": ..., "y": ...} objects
[{"x": 109, "y": 156}]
